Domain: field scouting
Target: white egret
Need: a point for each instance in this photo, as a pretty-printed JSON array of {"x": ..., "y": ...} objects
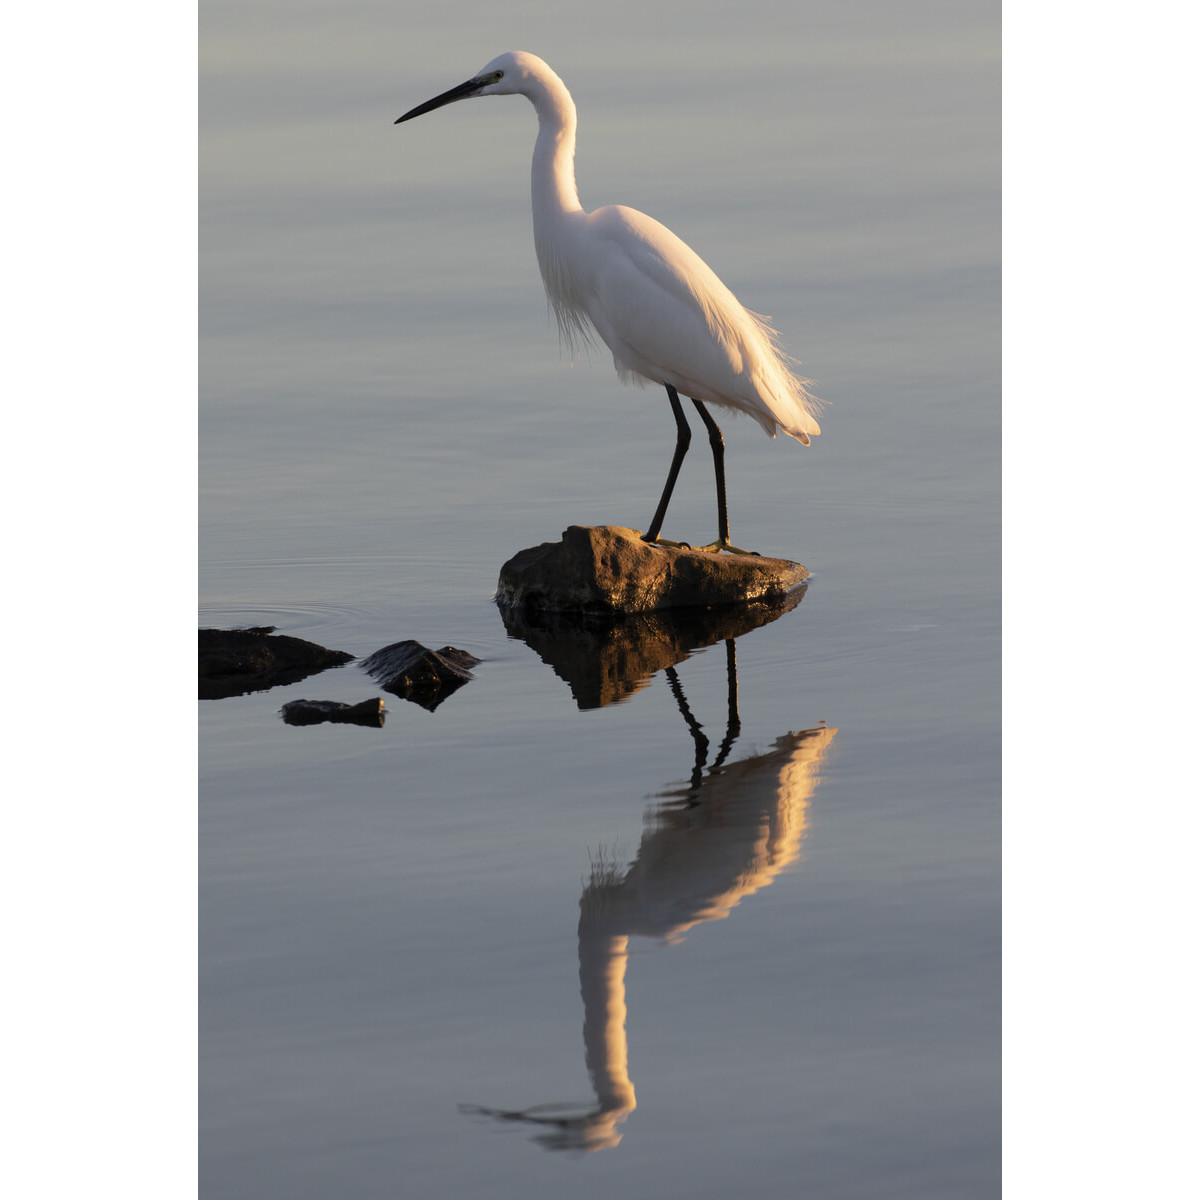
[{"x": 657, "y": 305}]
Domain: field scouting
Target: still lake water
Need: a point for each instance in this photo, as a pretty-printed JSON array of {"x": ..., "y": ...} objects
[{"x": 531, "y": 943}]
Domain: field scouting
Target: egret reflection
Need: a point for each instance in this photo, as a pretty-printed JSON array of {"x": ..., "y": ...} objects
[{"x": 709, "y": 841}]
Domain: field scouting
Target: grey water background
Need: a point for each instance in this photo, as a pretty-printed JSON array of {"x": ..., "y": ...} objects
[{"x": 389, "y": 917}]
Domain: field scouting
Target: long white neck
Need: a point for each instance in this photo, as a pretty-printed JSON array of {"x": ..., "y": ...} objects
[
  {"x": 557, "y": 212},
  {"x": 553, "y": 173}
]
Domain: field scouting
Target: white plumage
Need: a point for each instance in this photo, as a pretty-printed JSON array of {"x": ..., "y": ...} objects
[{"x": 654, "y": 302}]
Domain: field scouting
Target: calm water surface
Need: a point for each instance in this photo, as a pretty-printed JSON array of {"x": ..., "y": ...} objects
[{"x": 706, "y": 912}]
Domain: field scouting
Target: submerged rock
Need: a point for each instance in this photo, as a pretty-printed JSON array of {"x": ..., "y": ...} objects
[
  {"x": 236, "y": 661},
  {"x": 609, "y": 569},
  {"x": 313, "y": 712},
  {"x": 605, "y": 659},
  {"x": 414, "y": 672}
]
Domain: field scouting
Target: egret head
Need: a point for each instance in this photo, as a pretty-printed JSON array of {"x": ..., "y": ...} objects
[{"x": 503, "y": 76}]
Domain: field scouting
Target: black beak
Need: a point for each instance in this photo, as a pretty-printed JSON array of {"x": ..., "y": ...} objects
[{"x": 456, "y": 93}]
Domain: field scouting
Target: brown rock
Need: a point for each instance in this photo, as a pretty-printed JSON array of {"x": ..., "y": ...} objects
[
  {"x": 236, "y": 661},
  {"x": 414, "y": 672},
  {"x": 313, "y": 712},
  {"x": 609, "y": 569}
]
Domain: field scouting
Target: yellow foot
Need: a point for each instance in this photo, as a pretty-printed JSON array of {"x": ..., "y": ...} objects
[
  {"x": 726, "y": 546},
  {"x": 712, "y": 548}
]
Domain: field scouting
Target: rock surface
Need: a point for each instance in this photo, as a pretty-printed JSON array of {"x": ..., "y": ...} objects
[
  {"x": 236, "y": 661},
  {"x": 414, "y": 672},
  {"x": 313, "y": 712},
  {"x": 609, "y": 569}
]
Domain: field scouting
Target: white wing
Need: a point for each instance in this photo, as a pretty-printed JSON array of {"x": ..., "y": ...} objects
[{"x": 667, "y": 318}]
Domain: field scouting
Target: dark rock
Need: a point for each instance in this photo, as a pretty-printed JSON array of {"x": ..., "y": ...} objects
[
  {"x": 609, "y": 569},
  {"x": 604, "y": 659},
  {"x": 414, "y": 672},
  {"x": 236, "y": 661},
  {"x": 313, "y": 712}
]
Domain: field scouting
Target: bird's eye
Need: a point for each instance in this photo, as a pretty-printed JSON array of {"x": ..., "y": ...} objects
[{"x": 498, "y": 75}]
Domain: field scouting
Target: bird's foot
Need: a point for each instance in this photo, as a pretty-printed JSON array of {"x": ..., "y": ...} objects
[
  {"x": 724, "y": 544},
  {"x": 661, "y": 541}
]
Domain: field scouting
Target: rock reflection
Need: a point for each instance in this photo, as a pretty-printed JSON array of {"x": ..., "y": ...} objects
[
  {"x": 707, "y": 843},
  {"x": 606, "y": 659}
]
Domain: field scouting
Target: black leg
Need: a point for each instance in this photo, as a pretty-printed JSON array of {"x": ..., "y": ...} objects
[
  {"x": 733, "y": 724},
  {"x": 682, "y": 441},
  {"x": 717, "y": 442},
  {"x": 695, "y": 730}
]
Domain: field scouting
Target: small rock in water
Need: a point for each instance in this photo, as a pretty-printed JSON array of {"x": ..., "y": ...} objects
[
  {"x": 313, "y": 712},
  {"x": 609, "y": 569},
  {"x": 414, "y": 672},
  {"x": 236, "y": 661}
]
